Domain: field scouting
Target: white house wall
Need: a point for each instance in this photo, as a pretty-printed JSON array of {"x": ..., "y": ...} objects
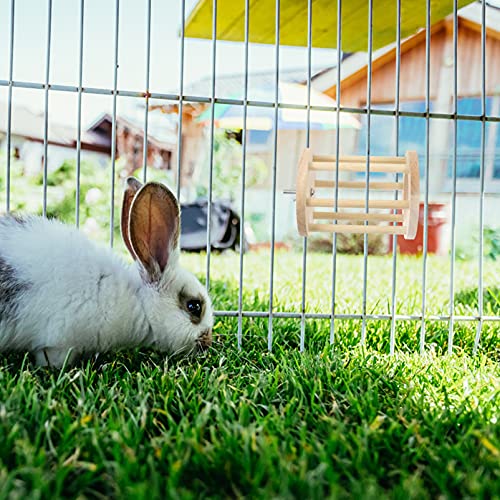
[
  {"x": 291, "y": 144},
  {"x": 31, "y": 154}
]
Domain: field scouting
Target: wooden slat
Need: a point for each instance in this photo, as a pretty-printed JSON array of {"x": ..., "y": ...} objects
[
  {"x": 411, "y": 192},
  {"x": 359, "y": 216},
  {"x": 303, "y": 191},
  {"x": 387, "y": 186},
  {"x": 357, "y": 229},
  {"x": 329, "y": 203},
  {"x": 328, "y": 166},
  {"x": 397, "y": 160}
]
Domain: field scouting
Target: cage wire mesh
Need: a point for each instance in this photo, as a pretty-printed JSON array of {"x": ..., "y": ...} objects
[{"x": 487, "y": 120}]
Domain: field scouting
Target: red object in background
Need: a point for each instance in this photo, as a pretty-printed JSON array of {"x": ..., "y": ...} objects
[{"x": 438, "y": 218}]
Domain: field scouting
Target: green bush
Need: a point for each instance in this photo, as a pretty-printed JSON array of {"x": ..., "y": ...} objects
[
  {"x": 227, "y": 169},
  {"x": 64, "y": 173},
  {"x": 492, "y": 242},
  {"x": 26, "y": 194}
]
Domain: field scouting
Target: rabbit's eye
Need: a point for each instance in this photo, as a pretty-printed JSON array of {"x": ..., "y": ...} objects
[{"x": 194, "y": 307}]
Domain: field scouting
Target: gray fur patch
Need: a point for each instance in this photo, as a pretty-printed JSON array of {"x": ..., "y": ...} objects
[
  {"x": 10, "y": 290},
  {"x": 12, "y": 218},
  {"x": 17, "y": 218}
]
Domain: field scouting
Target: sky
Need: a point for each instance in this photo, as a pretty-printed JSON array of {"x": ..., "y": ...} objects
[{"x": 30, "y": 48}]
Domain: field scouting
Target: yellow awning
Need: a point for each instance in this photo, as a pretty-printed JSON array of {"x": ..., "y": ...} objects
[{"x": 293, "y": 21}]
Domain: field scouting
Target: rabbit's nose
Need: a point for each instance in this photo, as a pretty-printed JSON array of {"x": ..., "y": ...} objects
[{"x": 205, "y": 339}]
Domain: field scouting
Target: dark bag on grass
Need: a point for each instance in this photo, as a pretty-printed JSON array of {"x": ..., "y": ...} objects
[{"x": 225, "y": 232}]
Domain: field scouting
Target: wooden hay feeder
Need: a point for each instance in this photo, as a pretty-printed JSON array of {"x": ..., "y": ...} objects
[{"x": 317, "y": 214}]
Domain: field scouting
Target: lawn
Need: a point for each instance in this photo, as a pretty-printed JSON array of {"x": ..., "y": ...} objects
[{"x": 335, "y": 421}]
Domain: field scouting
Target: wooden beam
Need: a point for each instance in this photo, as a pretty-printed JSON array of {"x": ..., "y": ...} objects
[
  {"x": 358, "y": 216},
  {"x": 356, "y": 229},
  {"x": 329, "y": 203},
  {"x": 385, "y": 186}
]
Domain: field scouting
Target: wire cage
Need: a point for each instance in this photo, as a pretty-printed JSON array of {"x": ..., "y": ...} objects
[{"x": 396, "y": 112}]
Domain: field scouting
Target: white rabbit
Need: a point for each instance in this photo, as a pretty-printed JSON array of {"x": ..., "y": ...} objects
[{"x": 61, "y": 293}]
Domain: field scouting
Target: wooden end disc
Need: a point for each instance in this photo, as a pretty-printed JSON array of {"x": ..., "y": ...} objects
[
  {"x": 304, "y": 190},
  {"x": 411, "y": 192}
]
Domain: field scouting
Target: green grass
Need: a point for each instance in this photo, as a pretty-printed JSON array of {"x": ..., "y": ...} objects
[
  {"x": 331, "y": 422},
  {"x": 349, "y": 299}
]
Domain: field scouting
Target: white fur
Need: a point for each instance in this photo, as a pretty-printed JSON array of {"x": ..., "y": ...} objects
[{"x": 85, "y": 299}]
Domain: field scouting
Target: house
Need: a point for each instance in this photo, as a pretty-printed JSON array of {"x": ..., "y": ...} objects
[
  {"x": 260, "y": 141},
  {"x": 27, "y": 141},
  {"x": 412, "y": 94},
  {"x": 130, "y": 142},
  {"x": 195, "y": 143}
]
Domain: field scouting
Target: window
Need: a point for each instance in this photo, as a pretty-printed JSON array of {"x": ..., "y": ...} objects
[
  {"x": 259, "y": 137},
  {"x": 258, "y": 141},
  {"x": 412, "y": 136},
  {"x": 383, "y": 134},
  {"x": 469, "y": 140}
]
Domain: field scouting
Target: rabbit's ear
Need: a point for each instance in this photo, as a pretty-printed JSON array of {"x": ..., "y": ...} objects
[
  {"x": 132, "y": 186},
  {"x": 154, "y": 228}
]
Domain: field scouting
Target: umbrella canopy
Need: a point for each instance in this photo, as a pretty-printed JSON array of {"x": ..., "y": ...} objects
[
  {"x": 293, "y": 21},
  {"x": 262, "y": 118}
]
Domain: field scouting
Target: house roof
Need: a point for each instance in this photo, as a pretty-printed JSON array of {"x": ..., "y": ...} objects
[
  {"x": 294, "y": 15},
  {"x": 31, "y": 126},
  {"x": 473, "y": 13},
  {"x": 355, "y": 66},
  {"x": 233, "y": 84},
  {"x": 157, "y": 136}
]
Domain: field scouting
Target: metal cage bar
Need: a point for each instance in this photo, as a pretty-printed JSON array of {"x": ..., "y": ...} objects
[
  {"x": 147, "y": 95},
  {"x": 113, "y": 126},
  {"x": 243, "y": 180},
  {"x": 392, "y": 337},
  {"x": 337, "y": 155},
  {"x": 212, "y": 141},
  {"x": 79, "y": 116},
  {"x": 277, "y": 105},
  {"x": 480, "y": 297},
  {"x": 251, "y": 103},
  {"x": 274, "y": 174},
  {"x": 46, "y": 113},
  {"x": 454, "y": 179},
  {"x": 10, "y": 84},
  {"x": 357, "y": 316},
  {"x": 181, "y": 100},
  {"x": 427, "y": 158},
  {"x": 367, "y": 171},
  {"x": 308, "y": 143}
]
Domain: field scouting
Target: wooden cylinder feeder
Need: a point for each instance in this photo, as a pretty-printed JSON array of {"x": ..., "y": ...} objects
[{"x": 317, "y": 210}]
